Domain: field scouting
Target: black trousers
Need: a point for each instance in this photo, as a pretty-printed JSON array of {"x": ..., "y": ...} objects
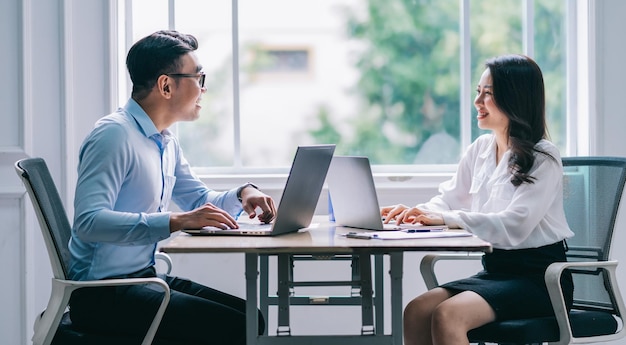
[{"x": 196, "y": 314}]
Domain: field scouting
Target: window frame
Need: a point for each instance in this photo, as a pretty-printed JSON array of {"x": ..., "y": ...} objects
[{"x": 577, "y": 95}]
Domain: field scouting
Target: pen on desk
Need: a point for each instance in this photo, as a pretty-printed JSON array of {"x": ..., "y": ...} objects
[
  {"x": 362, "y": 236},
  {"x": 424, "y": 230}
]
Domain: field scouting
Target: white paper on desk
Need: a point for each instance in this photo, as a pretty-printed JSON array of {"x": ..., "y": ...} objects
[{"x": 403, "y": 235}]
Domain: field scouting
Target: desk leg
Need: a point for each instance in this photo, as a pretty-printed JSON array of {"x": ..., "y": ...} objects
[
  {"x": 396, "y": 296},
  {"x": 252, "y": 316},
  {"x": 264, "y": 296},
  {"x": 284, "y": 277},
  {"x": 367, "y": 311},
  {"x": 379, "y": 306}
]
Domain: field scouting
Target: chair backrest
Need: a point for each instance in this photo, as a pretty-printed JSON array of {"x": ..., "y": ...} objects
[
  {"x": 592, "y": 190},
  {"x": 53, "y": 220}
]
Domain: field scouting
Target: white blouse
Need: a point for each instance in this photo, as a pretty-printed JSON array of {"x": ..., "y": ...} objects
[{"x": 482, "y": 199}]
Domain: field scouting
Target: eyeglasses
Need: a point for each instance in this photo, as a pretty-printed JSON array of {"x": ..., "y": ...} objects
[{"x": 201, "y": 76}]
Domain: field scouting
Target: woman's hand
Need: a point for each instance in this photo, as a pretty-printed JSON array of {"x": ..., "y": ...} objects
[
  {"x": 415, "y": 215},
  {"x": 403, "y": 214},
  {"x": 393, "y": 213}
]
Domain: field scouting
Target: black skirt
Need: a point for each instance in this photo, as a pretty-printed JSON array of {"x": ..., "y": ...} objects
[{"x": 512, "y": 281}]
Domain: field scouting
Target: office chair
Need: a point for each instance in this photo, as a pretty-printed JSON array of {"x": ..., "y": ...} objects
[
  {"x": 592, "y": 189},
  {"x": 54, "y": 326}
]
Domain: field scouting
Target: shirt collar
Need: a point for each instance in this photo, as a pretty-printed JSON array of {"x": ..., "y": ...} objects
[
  {"x": 145, "y": 123},
  {"x": 490, "y": 149},
  {"x": 143, "y": 120},
  {"x": 489, "y": 170}
]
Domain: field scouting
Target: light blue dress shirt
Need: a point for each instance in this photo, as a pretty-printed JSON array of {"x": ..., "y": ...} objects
[{"x": 127, "y": 175}]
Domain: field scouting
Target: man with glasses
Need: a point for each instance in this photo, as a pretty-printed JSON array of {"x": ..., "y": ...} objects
[{"x": 130, "y": 167}]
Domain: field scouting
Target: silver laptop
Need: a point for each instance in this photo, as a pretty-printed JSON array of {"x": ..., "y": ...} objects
[
  {"x": 354, "y": 199},
  {"x": 299, "y": 199}
]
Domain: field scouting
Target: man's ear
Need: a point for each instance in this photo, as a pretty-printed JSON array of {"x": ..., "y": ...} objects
[{"x": 163, "y": 84}]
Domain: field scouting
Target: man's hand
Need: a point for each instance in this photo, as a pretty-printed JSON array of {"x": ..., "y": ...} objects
[
  {"x": 206, "y": 215},
  {"x": 252, "y": 198}
]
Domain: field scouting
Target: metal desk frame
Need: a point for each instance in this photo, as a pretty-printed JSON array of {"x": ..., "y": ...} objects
[
  {"x": 322, "y": 240},
  {"x": 362, "y": 293},
  {"x": 373, "y": 335}
]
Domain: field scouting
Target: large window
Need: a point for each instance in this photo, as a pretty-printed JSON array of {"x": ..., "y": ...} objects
[{"x": 390, "y": 79}]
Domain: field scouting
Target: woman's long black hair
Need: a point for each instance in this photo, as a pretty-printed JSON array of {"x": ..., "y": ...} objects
[{"x": 519, "y": 93}]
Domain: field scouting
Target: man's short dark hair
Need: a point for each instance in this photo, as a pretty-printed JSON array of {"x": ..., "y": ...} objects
[{"x": 154, "y": 55}]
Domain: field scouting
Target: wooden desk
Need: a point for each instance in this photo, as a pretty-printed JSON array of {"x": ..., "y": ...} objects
[{"x": 322, "y": 239}]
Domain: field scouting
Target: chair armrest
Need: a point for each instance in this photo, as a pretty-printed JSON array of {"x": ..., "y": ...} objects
[
  {"x": 62, "y": 291},
  {"x": 427, "y": 265},
  {"x": 553, "y": 283},
  {"x": 165, "y": 258}
]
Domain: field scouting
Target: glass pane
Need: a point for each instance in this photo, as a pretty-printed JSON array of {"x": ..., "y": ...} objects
[
  {"x": 144, "y": 25},
  {"x": 376, "y": 77},
  {"x": 141, "y": 26},
  {"x": 550, "y": 48},
  {"x": 209, "y": 140},
  {"x": 495, "y": 30}
]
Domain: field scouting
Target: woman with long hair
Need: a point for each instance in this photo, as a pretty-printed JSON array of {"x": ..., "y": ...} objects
[{"x": 507, "y": 190}]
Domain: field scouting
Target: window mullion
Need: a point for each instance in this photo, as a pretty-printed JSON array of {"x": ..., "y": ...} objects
[
  {"x": 571, "y": 87},
  {"x": 528, "y": 27},
  {"x": 128, "y": 41},
  {"x": 466, "y": 68},
  {"x": 586, "y": 125},
  {"x": 171, "y": 14},
  {"x": 236, "y": 110}
]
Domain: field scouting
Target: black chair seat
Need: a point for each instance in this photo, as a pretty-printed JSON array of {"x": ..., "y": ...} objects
[
  {"x": 67, "y": 334},
  {"x": 544, "y": 329}
]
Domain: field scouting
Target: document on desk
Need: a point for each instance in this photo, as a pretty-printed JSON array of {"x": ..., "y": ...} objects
[{"x": 407, "y": 234}]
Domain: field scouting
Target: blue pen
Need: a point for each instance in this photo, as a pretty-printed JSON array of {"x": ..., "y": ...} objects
[{"x": 423, "y": 230}]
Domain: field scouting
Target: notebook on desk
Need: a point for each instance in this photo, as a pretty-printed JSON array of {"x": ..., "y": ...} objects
[
  {"x": 354, "y": 199},
  {"x": 299, "y": 199}
]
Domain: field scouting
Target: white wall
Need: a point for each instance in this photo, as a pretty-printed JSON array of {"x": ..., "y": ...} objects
[
  {"x": 54, "y": 74},
  {"x": 54, "y": 68},
  {"x": 610, "y": 74}
]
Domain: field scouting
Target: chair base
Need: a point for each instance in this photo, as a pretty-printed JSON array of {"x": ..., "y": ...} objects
[{"x": 544, "y": 329}]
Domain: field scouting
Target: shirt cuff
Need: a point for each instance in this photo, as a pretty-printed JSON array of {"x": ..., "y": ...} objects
[
  {"x": 452, "y": 220},
  {"x": 231, "y": 203},
  {"x": 160, "y": 222},
  {"x": 240, "y": 189}
]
